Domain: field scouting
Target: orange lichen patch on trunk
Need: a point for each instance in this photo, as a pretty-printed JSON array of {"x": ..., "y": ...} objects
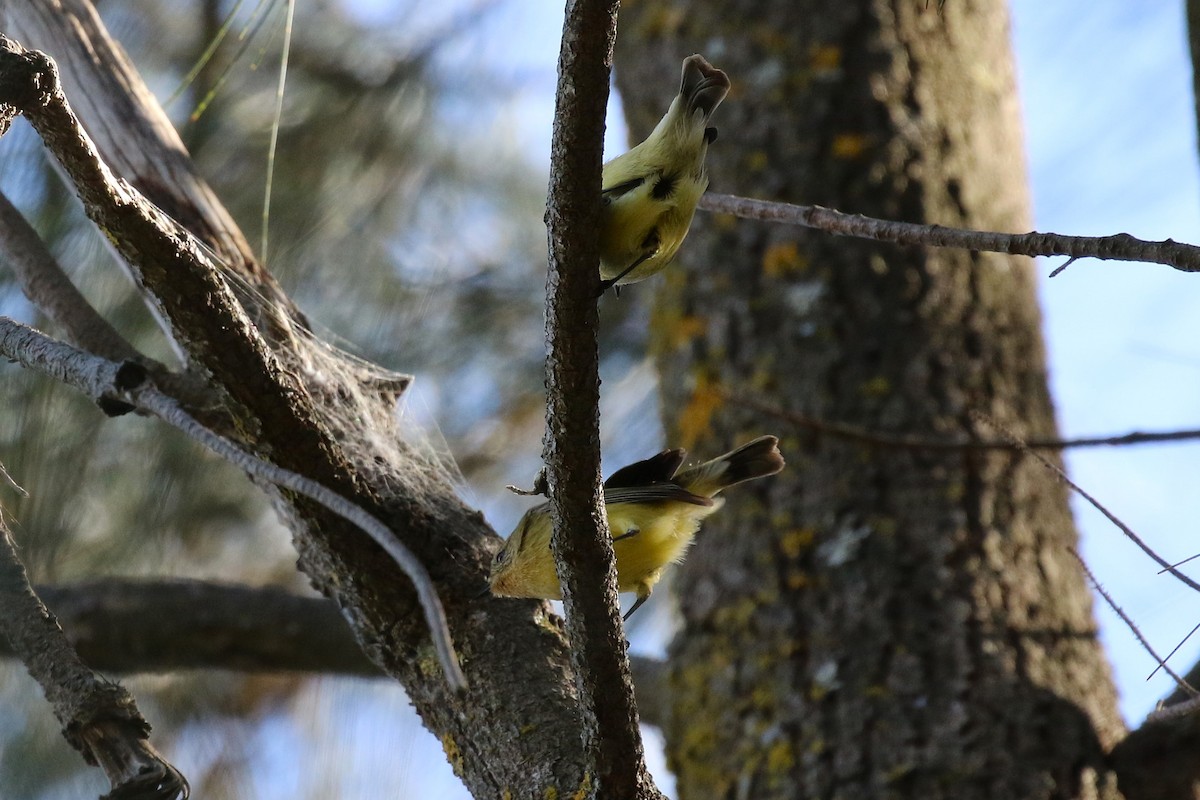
[
  {"x": 826, "y": 57},
  {"x": 794, "y": 542},
  {"x": 783, "y": 258},
  {"x": 848, "y": 145},
  {"x": 453, "y": 754},
  {"x": 696, "y": 416}
]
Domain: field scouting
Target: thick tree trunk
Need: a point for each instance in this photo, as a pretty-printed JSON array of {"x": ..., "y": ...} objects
[{"x": 873, "y": 622}]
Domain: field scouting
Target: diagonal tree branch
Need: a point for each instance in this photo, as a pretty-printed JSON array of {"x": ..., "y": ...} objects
[
  {"x": 1180, "y": 683},
  {"x": 320, "y": 415},
  {"x": 100, "y": 719},
  {"x": 168, "y": 261},
  {"x": 47, "y": 287},
  {"x": 1119, "y": 247},
  {"x": 127, "y": 383},
  {"x": 581, "y": 542},
  {"x": 1093, "y": 502},
  {"x": 325, "y": 417},
  {"x": 130, "y": 131}
]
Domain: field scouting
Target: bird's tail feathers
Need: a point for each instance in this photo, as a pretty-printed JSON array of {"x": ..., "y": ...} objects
[
  {"x": 755, "y": 459},
  {"x": 702, "y": 86}
]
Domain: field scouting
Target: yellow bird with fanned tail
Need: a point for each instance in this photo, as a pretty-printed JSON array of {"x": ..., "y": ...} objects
[{"x": 654, "y": 510}]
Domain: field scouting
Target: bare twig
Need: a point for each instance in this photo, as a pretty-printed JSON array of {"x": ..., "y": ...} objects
[
  {"x": 1175, "y": 649},
  {"x": 1176, "y": 711},
  {"x": 150, "y": 399},
  {"x": 906, "y": 441},
  {"x": 1182, "y": 562},
  {"x": 167, "y": 259},
  {"x": 47, "y": 286},
  {"x": 581, "y": 542},
  {"x": 540, "y": 486},
  {"x": 1054, "y": 273},
  {"x": 1129, "y": 623},
  {"x": 1119, "y": 247},
  {"x": 1096, "y": 504},
  {"x": 100, "y": 718},
  {"x": 106, "y": 381}
]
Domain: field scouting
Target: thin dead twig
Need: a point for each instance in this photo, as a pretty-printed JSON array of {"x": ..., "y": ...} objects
[
  {"x": 1129, "y": 623},
  {"x": 1118, "y": 247},
  {"x": 979, "y": 416},
  {"x": 904, "y": 441}
]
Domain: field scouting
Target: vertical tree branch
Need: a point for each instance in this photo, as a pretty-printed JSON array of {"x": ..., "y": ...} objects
[
  {"x": 1193, "y": 34},
  {"x": 581, "y": 542}
]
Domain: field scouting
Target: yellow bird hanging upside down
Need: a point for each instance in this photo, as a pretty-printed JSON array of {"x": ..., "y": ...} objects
[
  {"x": 654, "y": 511},
  {"x": 650, "y": 193}
]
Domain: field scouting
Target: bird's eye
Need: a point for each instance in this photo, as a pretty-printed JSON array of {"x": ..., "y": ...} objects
[{"x": 500, "y": 558}]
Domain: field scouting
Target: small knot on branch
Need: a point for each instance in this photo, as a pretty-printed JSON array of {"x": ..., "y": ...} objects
[
  {"x": 541, "y": 486},
  {"x": 27, "y": 77}
]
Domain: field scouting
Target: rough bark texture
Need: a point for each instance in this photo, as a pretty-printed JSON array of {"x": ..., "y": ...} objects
[
  {"x": 872, "y": 623},
  {"x": 581, "y": 542}
]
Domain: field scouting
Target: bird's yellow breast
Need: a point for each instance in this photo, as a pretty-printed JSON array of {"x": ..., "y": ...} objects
[
  {"x": 662, "y": 538},
  {"x": 664, "y": 533},
  {"x": 636, "y": 218}
]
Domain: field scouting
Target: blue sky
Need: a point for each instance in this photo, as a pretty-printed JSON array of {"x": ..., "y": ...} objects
[{"x": 1111, "y": 142}]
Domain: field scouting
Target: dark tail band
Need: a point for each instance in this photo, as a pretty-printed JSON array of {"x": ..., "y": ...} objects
[
  {"x": 703, "y": 86},
  {"x": 755, "y": 459}
]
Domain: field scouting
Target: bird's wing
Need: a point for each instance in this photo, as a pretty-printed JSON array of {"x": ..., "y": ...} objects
[
  {"x": 656, "y": 469},
  {"x": 622, "y": 188},
  {"x": 655, "y": 493}
]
